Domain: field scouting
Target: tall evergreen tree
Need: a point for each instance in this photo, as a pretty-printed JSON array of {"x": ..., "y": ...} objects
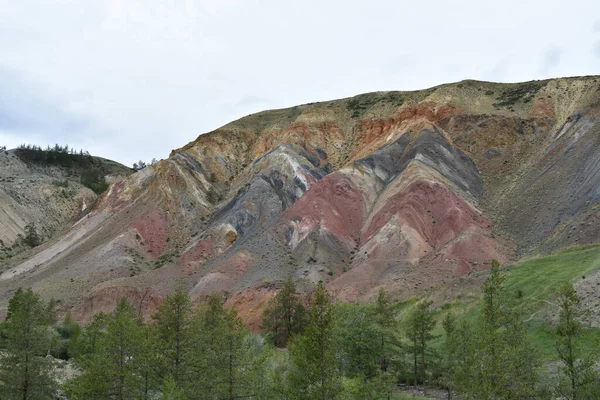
[
  {"x": 174, "y": 328},
  {"x": 285, "y": 315},
  {"x": 421, "y": 323},
  {"x": 148, "y": 362},
  {"x": 358, "y": 337},
  {"x": 112, "y": 371},
  {"x": 229, "y": 359},
  {"x": 459, "y": 357},
  {"x": 24, "y": 371},
  {"x": 506, "y": 366},
  {"x": 580, "y": 379},
  {"x": 387, "y": 324},
  {"x": 171, "y": 391},
  {"x": 315, "y": 373}
]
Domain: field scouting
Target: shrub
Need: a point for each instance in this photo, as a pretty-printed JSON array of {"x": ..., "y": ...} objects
[{"x": 31, "y": 238}]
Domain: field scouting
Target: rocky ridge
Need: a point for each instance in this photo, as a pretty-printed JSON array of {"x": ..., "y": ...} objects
[{"x": 404, "y": 190}]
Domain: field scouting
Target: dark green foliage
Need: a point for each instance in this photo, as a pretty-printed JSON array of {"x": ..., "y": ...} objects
[
  {"x": 112, "y": 370},
  {"x": 175, "y": 337},
  {"x": 359, "y": 339},
  {"x": 346, "y": 351},
  {"x": 31, "y": 237},
  {"x": 139, "y": 165},
  {"x": 386, "y": 324},
  {"x": 24, "y": 371},
  {"x": 94, "y": 179},
  {"x": 420, "y": 325},
  {"x": 522, "y": 92},
  {"x": 62, "y": 156},
  {"x": 63, "y": 184},
  {"x": 172, "y": 391},
  {"x": 68, "y": 334},
  {"x": 90, "y": 169},
  {"x": 315, "y": 372},
  {"x": 580, "y": 379},
  {"x": 212, "y": 196},
  {"x": 502, "y": 365},
  {"x": 285, "y": 315},
  {"x": 230, "y": 361},
  {"x": 358, "y": 105}
]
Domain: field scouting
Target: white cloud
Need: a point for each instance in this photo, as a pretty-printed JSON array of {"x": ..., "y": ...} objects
[{"x": 148, "y": 76}]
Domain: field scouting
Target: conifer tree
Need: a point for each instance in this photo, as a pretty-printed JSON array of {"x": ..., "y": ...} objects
[
  {"x": 31, "y": 238},
  {"x": 387, "y": 323},
  {"x": 449, "y": 350},
  {"x": 419, "y": 332},
  {"x": 505, "y": 365},
  {"x": 580, "y": 380},
  {"x": 230, "y": 358},
  {"x": 24, "y": 371},
  {"x": 171, "y": 391},
  {"x": 315, "y": 373},
  {"x": 285, "y": 315},
  {"x": 148, "y": 361},
  {"x": 112, "y": 371},
  {"x": 174, "y": 329}
]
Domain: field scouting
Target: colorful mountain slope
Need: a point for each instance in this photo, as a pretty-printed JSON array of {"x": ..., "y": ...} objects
[{"x": 404, "y": 190}]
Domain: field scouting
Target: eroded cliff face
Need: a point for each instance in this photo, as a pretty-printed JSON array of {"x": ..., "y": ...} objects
[{"x": 409, "y": 191}]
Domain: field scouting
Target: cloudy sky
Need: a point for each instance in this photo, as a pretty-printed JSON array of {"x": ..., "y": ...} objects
[{"x": 133, "y": 79}]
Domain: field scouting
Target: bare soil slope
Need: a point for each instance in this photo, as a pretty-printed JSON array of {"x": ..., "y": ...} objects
[{"x": 404, "y": 190}]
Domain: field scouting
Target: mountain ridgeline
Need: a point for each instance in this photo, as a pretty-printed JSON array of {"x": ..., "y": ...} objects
[{"x": 412, "y": 192}]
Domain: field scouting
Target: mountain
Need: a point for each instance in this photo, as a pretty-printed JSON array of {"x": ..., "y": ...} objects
[{"x": 410, "y": 191}]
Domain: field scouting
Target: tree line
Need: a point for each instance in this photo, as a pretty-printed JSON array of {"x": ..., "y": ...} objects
[
  {"x": 64, "y": 156},
  {"x": 92, "y": 175},
  {"x": 316, "y": 349}
]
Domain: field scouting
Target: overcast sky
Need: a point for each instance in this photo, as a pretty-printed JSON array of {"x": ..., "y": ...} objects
[{"x": 133, "y": 79}]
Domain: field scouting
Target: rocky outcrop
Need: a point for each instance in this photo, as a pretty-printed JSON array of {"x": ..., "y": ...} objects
[{"x": 410, "y": 191}]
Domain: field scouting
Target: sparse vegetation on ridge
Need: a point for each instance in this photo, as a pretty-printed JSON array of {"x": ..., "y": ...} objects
[{"x": 91, "y": 170}]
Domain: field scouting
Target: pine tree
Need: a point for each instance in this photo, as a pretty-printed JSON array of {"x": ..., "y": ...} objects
[
  {"x": 171, "y": 391},
  {"x": 24, "y": 371},
  {"x": 51, "y": 312},
  {"x": 580, "y": 378},
  {"x": 449, "y": 350},
  {"x": 460, "y": 353},
  {"x": 175, "y": 338},
  {"x": 387, "y": 323},
  {"x": 31, "y": 238},
  {"x": 112, "y": 371},
  {"x": 230, "y": 359},
  {"x": 315, "y": 374},
  {"x": 358, "y": 337},
  {"x": 13, "y": 303},
  {"x": 148, "y": 361},
  {"x": 505, "y": 365},
  {"x": 285, "y": 315},
  {"x": 419, "y": 332}
]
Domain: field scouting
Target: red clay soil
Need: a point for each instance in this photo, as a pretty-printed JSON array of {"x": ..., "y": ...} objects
[
  {"x": 250, "y": 305},
  {"x": 432, "y": 210},
  {"x": 197, "y": 256},
  {"x": 145, "y": 300},
  {"x": 152, "y": 227},
  {"x": 224, "y": 276},
  {"x": 334, "y": 203},
  {"x": 432, "y": 226}
]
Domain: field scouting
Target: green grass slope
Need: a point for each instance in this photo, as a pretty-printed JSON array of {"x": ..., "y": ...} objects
[{"x": 530, "y": 288}]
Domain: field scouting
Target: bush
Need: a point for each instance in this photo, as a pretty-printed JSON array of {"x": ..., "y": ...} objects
[
  {"x": 94, "y": 180},
  {"x": 58, "y": 183},
  {"x": 31, "y": 238}
]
